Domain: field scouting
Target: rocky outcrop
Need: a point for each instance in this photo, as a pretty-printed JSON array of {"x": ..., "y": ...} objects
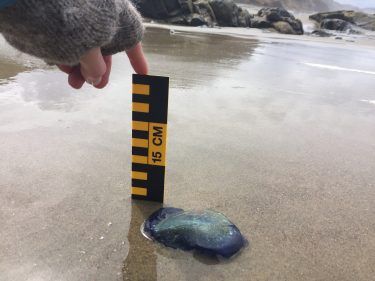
[
  {"x": 218, "y": 12},
  {"x": 278, "y": 18},
  {"x": 227, "y": 13},
  {"x": 298, "y": 5},
  {"x": 344, "y": 20}
]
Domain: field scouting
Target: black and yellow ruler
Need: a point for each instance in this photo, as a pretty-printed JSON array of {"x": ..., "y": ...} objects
[{"x": 149, "y": 136}]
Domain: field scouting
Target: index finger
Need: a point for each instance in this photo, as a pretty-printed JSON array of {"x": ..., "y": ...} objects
[{"x": 137, "y": 59}]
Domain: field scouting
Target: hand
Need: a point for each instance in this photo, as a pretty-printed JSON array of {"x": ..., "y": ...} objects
[{"x": 95, "y": 69}]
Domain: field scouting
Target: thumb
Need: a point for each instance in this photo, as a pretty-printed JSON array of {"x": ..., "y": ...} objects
[{"x": 93, "y": 66}]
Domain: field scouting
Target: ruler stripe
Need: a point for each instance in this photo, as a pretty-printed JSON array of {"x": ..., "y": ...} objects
[
  {"x": 140, "y": 142},
  {"x": 139, "y": 175},
  {"x": 141, "y": 98},
  {"x": 140, "y": 183},
  {"x": 139, "y": 159},
  {"x": 140, "y": 116},
  {"x": 139, "y": 134},
  {"x": 140, "y": 168},
  {"x": 143, "y": 151},
  {"x": 140, "y": 125},
  {"x": 141, "y": 89},
  {"x": 141, "y": 107},
  {"x": 139, "y": 191}
]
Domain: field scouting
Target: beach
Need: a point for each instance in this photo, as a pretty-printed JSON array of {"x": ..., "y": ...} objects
[{"x": 276, "y": 132}]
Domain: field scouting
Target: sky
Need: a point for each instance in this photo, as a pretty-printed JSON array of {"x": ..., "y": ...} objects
[{"x": 359, "y": 3}]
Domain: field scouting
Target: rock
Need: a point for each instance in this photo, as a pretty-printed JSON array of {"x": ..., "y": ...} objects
[
  {"x": 283, "y": 27},
  {"x": 341, "y": 15},
  {"x": 203, "y": 8},
  {"x": 244, "y": 18},
  {"x": 197, "y": 20},
  {"x": 191, "y": 20},
  {"x": 186, "y": 6},
  {"x": 297, "y": 25},
  {"x": 359, "y": 19},
  {"x": 179, "y": 20},
  {"x": 218, "y": 12},
  {"x": 321, "y": 33},
  {"x": 280, "y": 19},
  {"x": 227, "y": 13},
  {"x": 162, "y": 9},
  {"x": 300, "y": 5},
  {"x": 275, "y": 14},
  {"x": 365, "y": 21},
  {"x": 258, "y": 22},
  {"x": 335, "y": 24}
]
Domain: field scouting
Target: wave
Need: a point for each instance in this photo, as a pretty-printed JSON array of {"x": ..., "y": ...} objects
[
  {"x": 369, "y": 101},
  {"x": 334, "y": 67}
]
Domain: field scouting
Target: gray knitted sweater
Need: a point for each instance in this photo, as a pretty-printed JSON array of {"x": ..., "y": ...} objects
[{"x": 61, "y": 31}]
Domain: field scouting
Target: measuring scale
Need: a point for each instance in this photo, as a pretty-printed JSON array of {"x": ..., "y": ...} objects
[{"x": 149, "y": 136}]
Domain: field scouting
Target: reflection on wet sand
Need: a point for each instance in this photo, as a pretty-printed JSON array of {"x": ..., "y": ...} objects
[
  {"x": 140, "y": 263},
  {"x": 10, "y": 69},
  {"x": 194, "y": 58}
]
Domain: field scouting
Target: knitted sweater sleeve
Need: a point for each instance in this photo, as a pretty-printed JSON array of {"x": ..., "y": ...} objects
[{"x": 61, "y": 31}]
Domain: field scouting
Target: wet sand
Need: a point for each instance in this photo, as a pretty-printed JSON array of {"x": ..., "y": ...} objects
[{"x": 275, "y": 133}]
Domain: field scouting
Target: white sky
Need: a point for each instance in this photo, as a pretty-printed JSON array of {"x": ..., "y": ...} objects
[{"x": 359, "y": 3}]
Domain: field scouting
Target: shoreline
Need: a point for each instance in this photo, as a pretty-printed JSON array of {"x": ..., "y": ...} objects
[
  {"x": 9, "y": 54},
  {"x": 253, "y": 33}
]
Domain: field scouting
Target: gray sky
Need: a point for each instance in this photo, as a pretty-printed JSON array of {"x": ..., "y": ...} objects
[{"x": 359, "y": 3}]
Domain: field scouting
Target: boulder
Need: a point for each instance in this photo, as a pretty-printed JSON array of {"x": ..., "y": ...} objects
[
  {"x": 258, "y": 22},
  {"x": 162, "y": 9},
  {"x": 359, "y": 19},
  {"x": 296, "y": 24},
  {"x": 280, "y": 19},
  {"x": 227, "y": 13},
  {"x": 186, "y": 6},
  {"x": 244, "y": 18},
  {"x": 341, "y": 15},
  {"x": 179, "y": 20},
  {"x": 283, "y": 27},
  {"x": 197, "y": 20},
  {"x": 365, "y": 21},
  {"x": 335, "y": 24},
  {"x": 275, "y": 14},
  {"x": 203, "y": 8}
]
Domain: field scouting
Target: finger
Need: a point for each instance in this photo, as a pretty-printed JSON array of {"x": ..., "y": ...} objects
[
  {"x": 105, "y": 77},
  {"x": 93, "y": 66},
  {"x": 137, "y": 59},
  {"x": 76, "y": 79},
  {"x": 66, "y": 68}
]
